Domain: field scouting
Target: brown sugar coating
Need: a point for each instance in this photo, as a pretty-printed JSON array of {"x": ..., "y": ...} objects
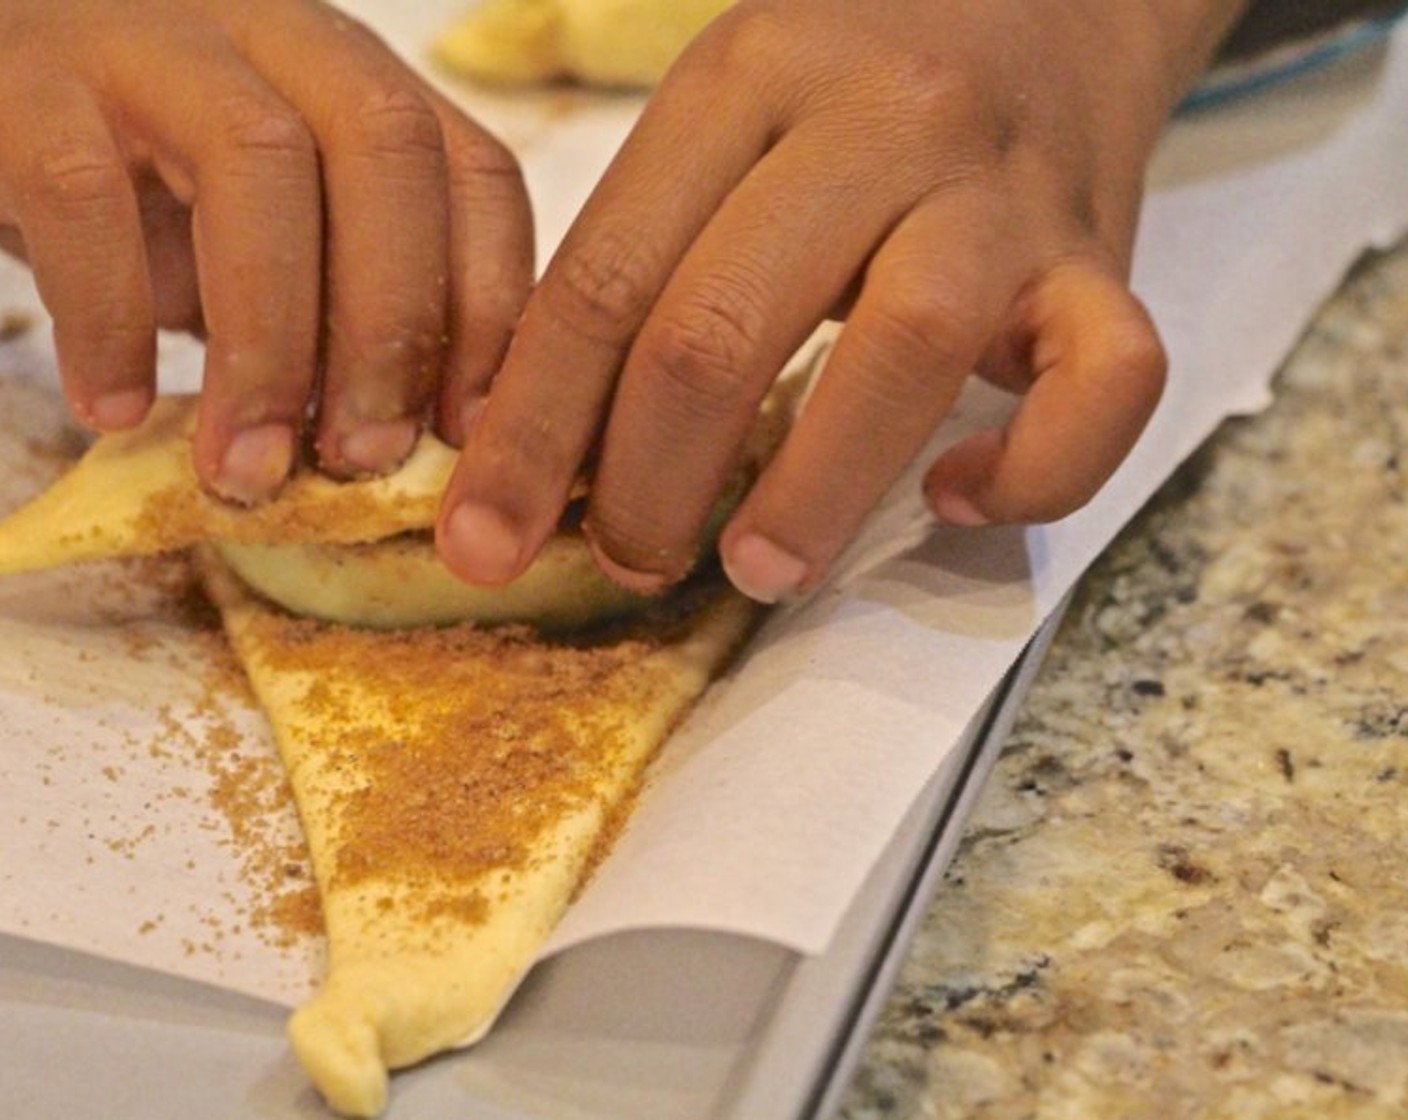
[
  {"x": 497, "y": 735},
  {"x": 312, "y": 508}
]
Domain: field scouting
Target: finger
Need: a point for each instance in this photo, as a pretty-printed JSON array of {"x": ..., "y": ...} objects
[
  {"x": 931, "y": 299},
  {"x": 751, "y": 289},
  {"x": 386, "y": 191},
  {"x": 527, "y": 445},
  {"x": 250, "y": 164},
  {"x": 77, "y": 213},
  {"x": 12, "y": 243},
  {"x": 1099, "y": 370},
  {"x": 166, "y": 226},
  {"x": 491, "y": 265}
]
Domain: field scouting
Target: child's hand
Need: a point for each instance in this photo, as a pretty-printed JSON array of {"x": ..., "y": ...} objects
[
  {"x": 265, "y": 172},
  {"x": 962, "y": 178}
]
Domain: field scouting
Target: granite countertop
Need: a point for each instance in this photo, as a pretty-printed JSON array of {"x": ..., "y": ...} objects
[{"x": 1183, "y": 893}]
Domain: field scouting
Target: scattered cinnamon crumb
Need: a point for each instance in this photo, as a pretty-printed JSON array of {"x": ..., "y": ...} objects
[
  {"x": 248, "y": 796},
  {"x": 15, "y": 325},
  {"x": 311, "y": 507}
]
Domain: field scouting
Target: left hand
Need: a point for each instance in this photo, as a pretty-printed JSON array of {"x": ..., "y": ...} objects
[{"x": 268, "y": 175}]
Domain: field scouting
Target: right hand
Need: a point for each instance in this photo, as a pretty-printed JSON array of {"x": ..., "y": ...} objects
[
  {"x": 266, "y": 174},
  {"x": 960, "y": 180}
]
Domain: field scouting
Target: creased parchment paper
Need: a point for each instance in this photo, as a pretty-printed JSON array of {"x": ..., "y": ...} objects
[{"x": 766, "y": 812}]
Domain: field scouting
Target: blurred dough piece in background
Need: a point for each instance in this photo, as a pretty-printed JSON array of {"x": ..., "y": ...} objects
[
  {"x": 624, "y": 43},
  {"x": 631, "y": 43}
]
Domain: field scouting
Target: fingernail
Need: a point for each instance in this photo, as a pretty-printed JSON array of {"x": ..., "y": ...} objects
[
  {"x": 485, "y": 544},
  {"x": 642, "y": 583},
  {"x": 256, "y": 464},
  {"x": 379, "y": 446},
  {"x": 115, "y": 411},
  {"x": 954, "y": 508},
  {"x": 762, "y": 570}
]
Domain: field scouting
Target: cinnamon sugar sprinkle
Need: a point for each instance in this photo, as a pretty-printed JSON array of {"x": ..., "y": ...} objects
[
  {"x": 15, "y": 324},
  {"x": 248, "y": 794},
  {"x": 311, "y": 508},
  {"x": 491, "y": 737},
  {"x": 181, "y": 514}
]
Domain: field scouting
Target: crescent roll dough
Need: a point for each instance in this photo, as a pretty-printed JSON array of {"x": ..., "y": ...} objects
[
  {"x": 602, "y": 42},
  {"x": 454, "y": 782},
  {"x": 453, "y": 785}
]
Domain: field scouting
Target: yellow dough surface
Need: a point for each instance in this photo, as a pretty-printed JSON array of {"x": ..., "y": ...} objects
[
  {"x": 602, "y": 42},
  {"x": 356, "y": 552},
  {"x": 135, "y": 493},
  {"x": 454, "y": 785}
]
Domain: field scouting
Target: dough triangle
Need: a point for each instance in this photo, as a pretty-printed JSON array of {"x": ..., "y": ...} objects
[{"x": 454, "y": 785}]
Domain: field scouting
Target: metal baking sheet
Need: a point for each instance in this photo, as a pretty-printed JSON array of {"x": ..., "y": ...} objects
[{"x": 686, "y": 1025}]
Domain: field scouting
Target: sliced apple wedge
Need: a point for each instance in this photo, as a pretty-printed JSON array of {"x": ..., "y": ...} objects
[{"x": 401, "y": 582}]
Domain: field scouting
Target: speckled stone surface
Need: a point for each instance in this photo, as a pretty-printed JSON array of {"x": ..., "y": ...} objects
[{"x": 1185, "y": 892}]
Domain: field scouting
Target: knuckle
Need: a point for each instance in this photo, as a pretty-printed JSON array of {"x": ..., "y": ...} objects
[
  {"x": 920, "y": 102},
  {"x": 602, "y": 287},
  {"x": 473, "y": 152},
  {"x": 119, "y": 312},
  {"x": 257, "y": 130},
  {"x": 703, "y": 352},
  {"x": 926, "y": 320},
  {"x": 930, "y": 85},
  {"x": 80, "y": 179},
  {"x": 486, "y": 181},
  {"x": 1138, "y": 349},
  {"x": 392, "y": 120},
  {"x": 355, "y": 33},
  {"x": 752, "y": 41}
]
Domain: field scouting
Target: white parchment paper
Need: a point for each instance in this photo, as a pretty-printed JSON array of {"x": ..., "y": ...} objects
[{"x": 770, "y": 806}]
